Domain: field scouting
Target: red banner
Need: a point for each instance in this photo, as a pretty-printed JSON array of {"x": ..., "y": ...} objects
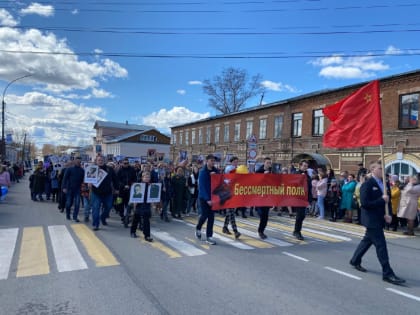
[{"x": 247, "y": 190}]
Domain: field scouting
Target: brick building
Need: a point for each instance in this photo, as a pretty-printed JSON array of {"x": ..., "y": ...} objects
[{"x": 292, "y": 129}]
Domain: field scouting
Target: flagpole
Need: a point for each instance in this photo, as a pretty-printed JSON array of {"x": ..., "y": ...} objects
[{"x": 383, "y": 178}]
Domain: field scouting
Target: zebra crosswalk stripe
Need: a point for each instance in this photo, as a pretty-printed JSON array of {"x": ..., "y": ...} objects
[
  {"x": 66, "y": 254},
  {"x": 8, "y": 239},
  {"x": 183, "y": 247}
]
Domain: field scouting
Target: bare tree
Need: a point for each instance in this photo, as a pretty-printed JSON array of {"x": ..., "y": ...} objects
[{"x": 230, "y": 91}]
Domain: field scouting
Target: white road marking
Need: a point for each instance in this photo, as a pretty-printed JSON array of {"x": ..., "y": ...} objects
[
  {"x": 8, "y": 239},
  {"x": 410, "y": 296},
  {"x": 294, "y": 256},
  {"x": 183, "y": 247},
  {"x": 343, "y": 273},
  {"x": 66, "y": 254}
]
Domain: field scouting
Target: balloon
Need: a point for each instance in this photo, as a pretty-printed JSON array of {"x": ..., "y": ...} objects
[{"x": 242, "y": 169}]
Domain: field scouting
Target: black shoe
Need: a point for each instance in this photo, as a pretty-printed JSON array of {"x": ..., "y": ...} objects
[
  {"x": 332, "y": 220},
  {"x": 237, "y": 234},
  {"x": 167, "y": 219},
  {"x": 76, "y": 220},
  {"x": 262, "y": 235},
  {"x": 394, "y": 280},
  {"x": 244, "y": 216},
  {"x": 95, "y": 228},
  {"x": 104, "y": 222},
  {"x": 148, "y": 238},
  {"x": 226, "y": 230},
  {"x": 198, "y": 234},
  {"x": 68, "y": 217},
  {"x": 133, "y": 235},
  {"x": 358, "y": 267},
  {"x": 298, "y": 236},
  {"x": 86, "y": 219}
]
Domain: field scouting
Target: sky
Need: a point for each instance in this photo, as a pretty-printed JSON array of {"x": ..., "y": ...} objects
[{"x": 144, "y": 62}]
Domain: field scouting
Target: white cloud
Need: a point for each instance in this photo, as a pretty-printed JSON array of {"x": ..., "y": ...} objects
[
  {"x": 75, "y": 12},
  {"x": 340, "y": 67},
  {"x": 98, "y": 51},
  {"x": 39, "y": 9},
  {"x": 50, "y": 119},
  {"x": 277, "y": 86},
  {"x": 56, "y": 69},
  {"x": 195, "y": 82},
  {"x": 100, "y": 93},
  {"x": 391, "y": 50},
  {"x": 178, "y": 115},
  {"x": 6, "y": 19},
  {"x": 181, "y": 92}
]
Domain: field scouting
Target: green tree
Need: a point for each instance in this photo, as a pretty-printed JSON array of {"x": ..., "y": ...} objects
[{"x": 230, "y": 90}]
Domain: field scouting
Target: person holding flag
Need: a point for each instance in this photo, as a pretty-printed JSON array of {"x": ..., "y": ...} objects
[{"x": 357, "y": 122}]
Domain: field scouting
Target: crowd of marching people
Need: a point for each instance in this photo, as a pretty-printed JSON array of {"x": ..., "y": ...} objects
[{"x": 185, "y": 189}]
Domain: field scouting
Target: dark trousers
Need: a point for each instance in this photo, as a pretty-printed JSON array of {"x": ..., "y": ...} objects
[
  {"x": 300, "y": 216},
  {"x": 263, "y": 213},
  {"x": 230, "y": 217},
  {"x": 206, "y": 214},
  {"x": 144, "y": 218},
  {"x": 377, "y": 238}
]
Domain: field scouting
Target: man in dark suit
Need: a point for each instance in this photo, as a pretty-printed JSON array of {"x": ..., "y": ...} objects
[
  {"x": 301, "y": 211},
  {"x": 373, "y": 201}
]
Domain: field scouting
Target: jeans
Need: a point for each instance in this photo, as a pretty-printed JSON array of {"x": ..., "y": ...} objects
[
  {"x": 73, "y": 195},
  {"x": 96, "y": 202},
  {"x": 206, "y": 214},
  {"x": 87, "y": 207},
  {"x": 321, "y": 206}
]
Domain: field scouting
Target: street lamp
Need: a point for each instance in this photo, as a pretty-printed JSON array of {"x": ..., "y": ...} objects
[{"x": 3, "y": 105}]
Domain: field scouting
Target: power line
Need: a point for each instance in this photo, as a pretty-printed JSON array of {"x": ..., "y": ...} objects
[{"x": 263, "y": 55}]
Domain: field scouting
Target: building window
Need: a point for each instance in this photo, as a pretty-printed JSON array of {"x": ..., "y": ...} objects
[
  {"x": 226, "y": 134},
  {"x": 402, "y": 168},
  {"x": 193, "y": 136},
  {"x": 263, "y": 128},
  {"x": 174, "y": 139},
  {"x": 318, "y": 123},
  {"x": 249, "y": 125},
  {"x": 409, "y": 111},
  {"x": 278, "y": 126},
  {"x": 200, "y": 136},
  {"x": 216, "y": 134},
  {"x": 181, "y": 137},
  {"x": 148, "y": 138},
  {"x": 187, "y": 137},
  {"x": 297, "y": 124},
  {"x": 208, "y": 135},
  {"x": 237, "y": 132}
]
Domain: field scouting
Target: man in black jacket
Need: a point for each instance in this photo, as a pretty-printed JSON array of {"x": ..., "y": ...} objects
[
  {"x": 126, "y": 176},
  {"x": 102, "y": 195},
  {"x": 301, "y": 211},
  {"x": 373, "y": 201},
  {"x": 263, "y": 211},
  {"x": 72, "y": 182}
]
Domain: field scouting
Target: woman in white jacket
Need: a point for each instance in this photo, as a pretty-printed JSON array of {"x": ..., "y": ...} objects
[
  {"x": 321, "y": 192},
  {"x": 409, "y": 203}
]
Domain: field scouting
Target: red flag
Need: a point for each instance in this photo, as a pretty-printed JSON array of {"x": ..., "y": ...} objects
[{"x": 355, "y": 120}]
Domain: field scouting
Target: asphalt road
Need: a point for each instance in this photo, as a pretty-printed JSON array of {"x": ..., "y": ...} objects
[{"x": 49, "y": 265}]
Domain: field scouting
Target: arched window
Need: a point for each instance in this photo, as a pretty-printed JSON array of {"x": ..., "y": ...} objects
[{"x": 402, "y": 168}]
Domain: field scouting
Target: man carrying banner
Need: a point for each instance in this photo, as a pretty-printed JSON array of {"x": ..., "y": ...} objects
[
  {"x": 263, "y": 211},
  {"x": 301, "y": 211},
  {"x": 204, "y": 196},
  {"x": 230, "y": 212}
]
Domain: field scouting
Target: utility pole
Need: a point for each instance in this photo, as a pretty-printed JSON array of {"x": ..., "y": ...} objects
[
  {"x": 3, "y": 106},
  {"x": 23, "y": 148}
]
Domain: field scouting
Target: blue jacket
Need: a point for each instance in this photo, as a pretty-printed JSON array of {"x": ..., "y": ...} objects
[
  {"x": 204, "y": 183},
  {"x": 73, "y": 178}
]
